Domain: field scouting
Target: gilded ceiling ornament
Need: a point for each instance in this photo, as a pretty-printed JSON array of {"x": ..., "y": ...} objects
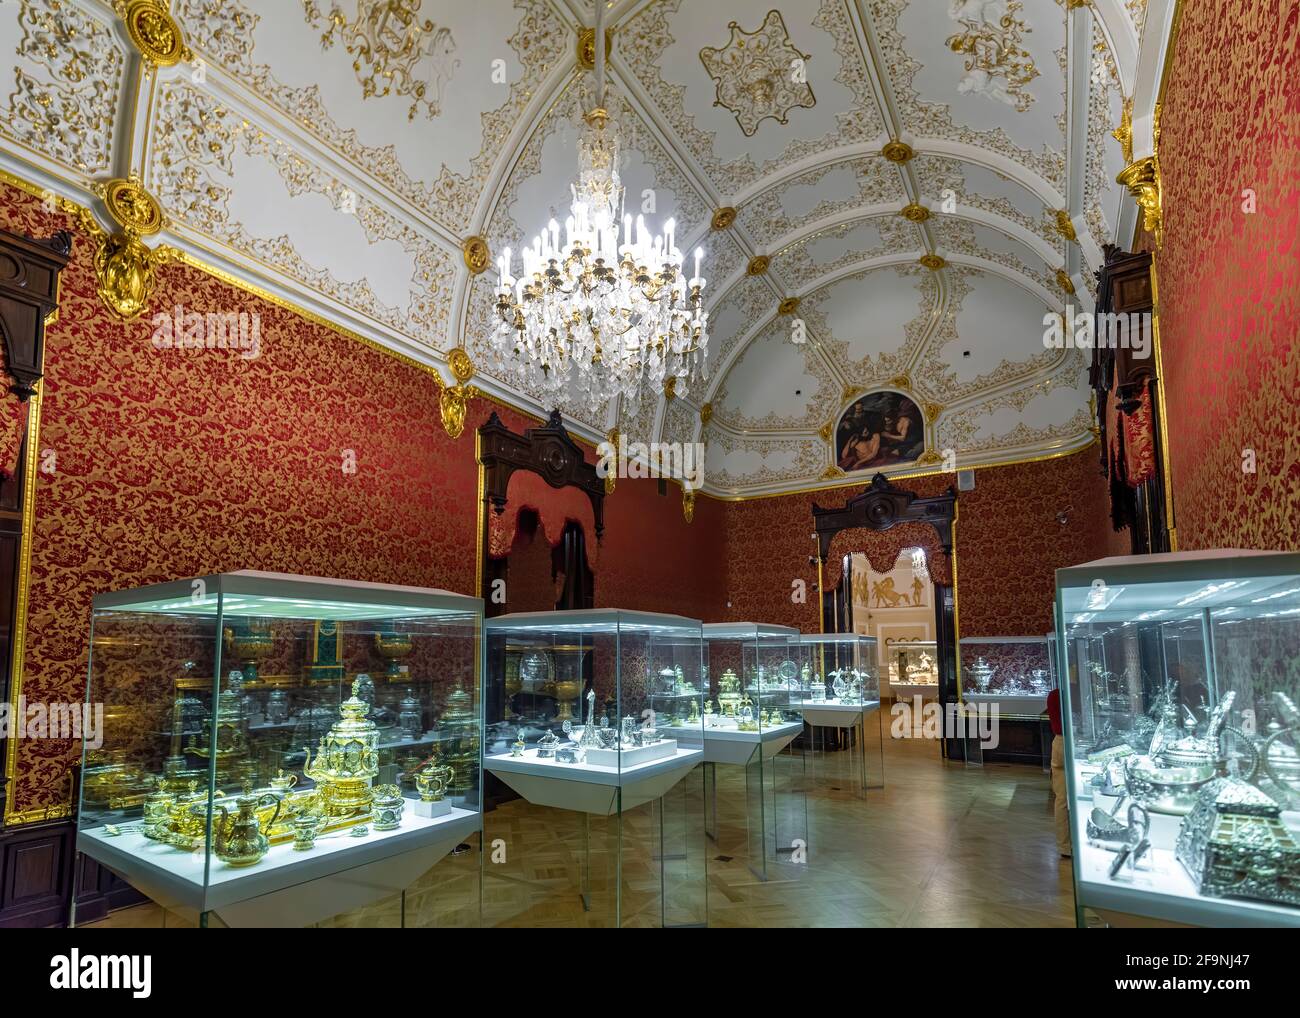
[
  {"x": 723, "y": 218},
  {"x": 706, "y": 413},
  {"x": 153, "y": 31},
  {"x": 475, "y": 251},
  {"x": 1064, "y": 281},
  {"x": 586, "y": 48},
  {"x": 670, "y": 387},
  {"x": 932, "y": 410},
  {"x": 898, "y": 152},
  {"x": 131, "y": 206},
  {"x": 915, "y": 213},
  {"x": 124, "y": 266},
  {"x": 830, "y": 473},
  {"x": 788, "y": 306},
  {"x": 850, "y": 391},
  {"x": 68, "y": 107},
  {"x": 611, "y": 476},
  {"x": 759, "y": 75},
  {"x": 826, "y": 430},
  {"x": 997, "y": 64},
  {"x": 929, "y": 458},
  {"x": 688, "y": 504},
  {"x": 758, "y": 265},
  {"x": 394, "y": 50},
  {"x": 1065, "y": 225},
  {"x": 901, "y": 382},
  {"x": 1124, "y": 133},
  {"x": 933, "y": 262},
  {"x": 124, "y": 274},
  {"x": 1142, "y": 179},
  {"x": 453, "y": 400}
]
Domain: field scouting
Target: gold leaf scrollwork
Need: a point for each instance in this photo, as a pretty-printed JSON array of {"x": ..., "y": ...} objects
[
  {"x": 1124, "y": 133},
  {"x": 706, "y": 414},
  {"x": 915, "y": 213},
  {"x": 688, "y": 504},
  {"x": 1064, "y": 281},
  {"x": 929, "y": 458},
  {"x": 933, "y": 262},
  {"x": 788, "y": 306},
  {"x": 394, "y": 50},
  {"x": 611, "y": 475},
  {"x": 1142, "y": 179},
  {"x": 1065, "y": 225},
  {"x": 453, "y": 400},
  {"x": 154, "y": 32},
  {"x": 125, "y": 266}
]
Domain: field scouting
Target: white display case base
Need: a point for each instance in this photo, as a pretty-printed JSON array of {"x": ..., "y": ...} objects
[
  {"x": 286, "y": 888},
  {"x": 833, "y": 714},
  {"x": 591, "y": 788},
  {"x": 730, "y": 746}
]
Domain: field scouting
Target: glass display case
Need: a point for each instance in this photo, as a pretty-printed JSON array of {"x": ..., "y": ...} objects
[
  {"x": 265, "y": 733},
  {"x": 751, "y": 719},
  {"x": 1013, "y": 672},
  {"x": 913, "y": 669},
  {"x": 601, "y": 713},
  {"x": 839, "y": 682},
  {"x": 1180, "y": 675}
]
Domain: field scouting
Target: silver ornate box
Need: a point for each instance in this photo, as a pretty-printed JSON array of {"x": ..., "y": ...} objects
[{"x": 1233, "y": 845}]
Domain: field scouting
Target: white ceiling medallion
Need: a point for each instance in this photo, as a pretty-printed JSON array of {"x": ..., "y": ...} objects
[
  {"x": 997, "y": 65},
  {"x": 760, "y": 75},
  {"x": 394, "y": 49}
]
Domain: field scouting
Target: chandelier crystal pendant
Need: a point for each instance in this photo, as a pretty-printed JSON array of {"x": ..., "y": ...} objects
[{"x": 604, "y": 304}]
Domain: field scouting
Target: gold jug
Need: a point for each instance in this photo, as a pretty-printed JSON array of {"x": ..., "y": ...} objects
[{"x": 239, "y": 840}]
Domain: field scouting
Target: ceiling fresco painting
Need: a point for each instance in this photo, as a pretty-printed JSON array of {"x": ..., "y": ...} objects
[{"x": 891, "y": 194}]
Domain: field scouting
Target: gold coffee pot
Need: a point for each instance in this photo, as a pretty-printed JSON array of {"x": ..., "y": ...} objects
[{"x": 238, "y": 839}]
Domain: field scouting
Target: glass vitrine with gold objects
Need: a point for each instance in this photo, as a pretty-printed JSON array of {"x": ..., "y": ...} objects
[
  {"x": 752, "y": 719},
  {"x": 595, "y": 731},
  {"x": 839, "y": 686},
  {"x": 281, "y": 749},
  {"x": 1179, "y": 682}
]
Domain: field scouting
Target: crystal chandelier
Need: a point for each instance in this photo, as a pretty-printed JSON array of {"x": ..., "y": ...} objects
[{"x": 603, "y": 305}]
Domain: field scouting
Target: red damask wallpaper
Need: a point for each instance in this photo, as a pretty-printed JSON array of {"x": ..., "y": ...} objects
[
  {"x": 1230, "y": 280},
  {"x": 162, "y": 464},
  {"x": 1009, "y": 545}
]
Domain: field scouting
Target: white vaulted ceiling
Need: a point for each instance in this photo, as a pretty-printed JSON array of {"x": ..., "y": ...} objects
[{"x": 273, "y": 163}]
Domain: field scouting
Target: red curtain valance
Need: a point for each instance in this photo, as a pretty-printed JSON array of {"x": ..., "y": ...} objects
[{"x": 555, "y": 507}]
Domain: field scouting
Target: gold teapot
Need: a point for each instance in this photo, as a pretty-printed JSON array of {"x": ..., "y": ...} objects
[
  {"x": 432, "y": 780},
  {"x": 238, "y": 840}
]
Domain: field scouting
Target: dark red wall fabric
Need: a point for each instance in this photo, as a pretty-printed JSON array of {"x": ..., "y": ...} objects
[
  {"x": 1008, "y": 545},
  {"x": 1229, "y": 281}
]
